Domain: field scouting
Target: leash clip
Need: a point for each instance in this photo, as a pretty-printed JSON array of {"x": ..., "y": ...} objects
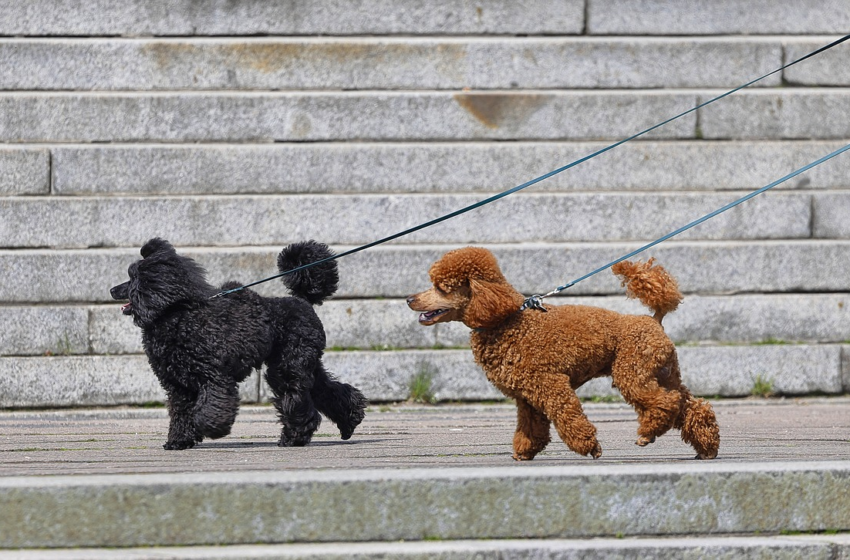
[{"x": 533, "y": 302}]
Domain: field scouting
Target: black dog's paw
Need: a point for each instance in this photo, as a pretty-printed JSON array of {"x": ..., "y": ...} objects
[
  {"x": 292, "y": 440},
  {"x": 355, "y": 417},
  {"x": 179, "y": 444},
  {"x": 347, "y": 430}
]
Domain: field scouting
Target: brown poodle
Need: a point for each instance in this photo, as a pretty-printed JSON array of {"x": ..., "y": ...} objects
[{"x": 540, "y": 358}]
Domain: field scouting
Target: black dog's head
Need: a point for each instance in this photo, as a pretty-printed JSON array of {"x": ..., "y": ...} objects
[{"x": 159, "y": 281}]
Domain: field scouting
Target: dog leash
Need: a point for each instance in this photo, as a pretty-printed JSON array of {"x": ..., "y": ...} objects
[
  {"x": 535, "y": 180},
  {"x": 536, "y": 301}
]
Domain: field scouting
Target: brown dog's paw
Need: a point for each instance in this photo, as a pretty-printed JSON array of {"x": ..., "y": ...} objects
[
  {"x": 596, "y": 452},
  {"x": 643, "y": 441},
  {"x": 523, "y": 456},
  {"x": 706, "y": 456}
]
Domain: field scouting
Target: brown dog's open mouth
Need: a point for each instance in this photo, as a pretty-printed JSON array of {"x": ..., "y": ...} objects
[
  {"x": 127, "y": 308},
  {"x": 431, "y": 315}
]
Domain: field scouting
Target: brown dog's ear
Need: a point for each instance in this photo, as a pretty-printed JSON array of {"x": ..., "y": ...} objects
[{"x": 490, "y": 304}]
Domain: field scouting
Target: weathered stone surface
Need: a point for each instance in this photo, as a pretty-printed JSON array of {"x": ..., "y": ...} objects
[
  {"x": 831, "y": 213},
  {"x": 695, "y": 17},
  {"x": 24, "y": 171},
  {"x": 845, "y": 366},
  {"x": 744, "y": 548},
  {"x": 439, "y": 167},
  {"x": 34, "y": 331},
  {"x": 86, "y": 381},
  {"x": 385, "y": 63},
  {"x": 287, "y": 17},
  {"x": 826, "y": 69},
  {"x": 418, "y": 504},
  {"x": 398, "y": 271},
  {"x": 387, "y": 376},
  {"x": 729, "y": 371},
  {"x": 267, "y": 117},
  {"x": 112, "y": 332},
  {"x": 390, "y": 324},
  {"x": 360, "y": 219},
  {"x": 774, "y": 115},
  {"x": 733, "y": 371}
]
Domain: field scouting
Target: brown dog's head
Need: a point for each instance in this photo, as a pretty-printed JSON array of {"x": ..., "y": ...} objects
[{"x": 468, "y": 287}]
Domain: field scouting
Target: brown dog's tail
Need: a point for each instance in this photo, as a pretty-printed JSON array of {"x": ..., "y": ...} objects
[{"x": 651, "y": 284}]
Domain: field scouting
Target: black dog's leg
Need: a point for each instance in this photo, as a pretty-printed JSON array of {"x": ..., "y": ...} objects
[
  {"x": 181, "y": 431},
  {"x": 340, "y": 402},
  {"x": 294, "y": 405},
  {"x": 216, "y": 409}
]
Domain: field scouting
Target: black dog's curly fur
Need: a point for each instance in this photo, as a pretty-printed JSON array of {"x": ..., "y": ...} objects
[{"x": 201, "y": 348}]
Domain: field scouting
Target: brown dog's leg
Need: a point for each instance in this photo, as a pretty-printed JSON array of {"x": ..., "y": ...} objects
[
  {"x": 553, "y": 394},
  {"x": 651, "y": 388},
  {"x": 532, "y": 431},
  {"x": 699, "y": 427}
]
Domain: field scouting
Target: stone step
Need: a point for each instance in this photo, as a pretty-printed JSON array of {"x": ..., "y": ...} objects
[
  {"x": 288, "y": 17},
  {"x": 373, "y": 17},
  {"x": 499, "y": 115},
  {"x": 784, "y": 547},
  {"x": 388, "y": 324},
  {"x": 718, "y": 17},
  {"x": 415, "y": 167},
  {"x": 695, "y": 498},
  {"x": 402, "y": 63},
  {"x": 826, "y": 69},
  {"x": 396, "y": 271},
  {"x": 76, "y": 222},
  {"x": 791, "y": 113},
  {"x": 279, "y": 116},
  {"x": 450, "y": 375}
]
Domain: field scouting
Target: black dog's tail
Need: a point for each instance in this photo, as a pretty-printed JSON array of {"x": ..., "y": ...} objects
[{"x": 316, "y": 283}]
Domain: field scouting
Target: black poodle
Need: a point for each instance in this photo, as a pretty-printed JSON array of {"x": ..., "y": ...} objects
[{"x": 201, "y": 347}]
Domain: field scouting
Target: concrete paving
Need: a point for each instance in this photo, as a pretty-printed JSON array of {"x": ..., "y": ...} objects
[{"x": 129, "y": 440}]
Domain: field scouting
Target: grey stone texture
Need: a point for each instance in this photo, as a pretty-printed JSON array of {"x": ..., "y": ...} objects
[
  {"x": 772, "y": 114},
  {"x": 824, "y": 547},
  {"x": 359, "y": 219},
  {"x": 832, "y": 215},
  {"x": 439, "y": 167},
  {"x": 24, "y": 171},
  {"x": 419, "y": 504},
  {"x": 845, "y": 368},
  {"x": 450, "y": 375},
  {"x": 787, "y": 369},
  {"x": 826, "y": 69},
  {"x": 472, "y": 438},
  {"x": 287, "y": 17},
  {"x": 385, "y": 63},
  {"x": 62, "y": 381},
  {"x": 28, "y": 331},
  {"x": 267, "y": 117},
  {"x": 705, "y": 267},
  {"x": 234, "y": 128},
  {"x": 389, "y": 324},
  {"x": 717, "y": 17}
]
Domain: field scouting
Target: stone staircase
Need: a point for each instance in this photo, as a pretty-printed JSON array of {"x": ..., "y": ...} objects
[
  {"x": 232, "y": 129},
  {"x": 589, "y": 512}
]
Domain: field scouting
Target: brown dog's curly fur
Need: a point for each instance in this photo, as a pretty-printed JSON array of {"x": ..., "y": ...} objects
[{"x": 540, "y": 359}]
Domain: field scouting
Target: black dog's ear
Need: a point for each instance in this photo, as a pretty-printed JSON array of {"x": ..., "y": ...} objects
[{"x": 155, "y": 245}]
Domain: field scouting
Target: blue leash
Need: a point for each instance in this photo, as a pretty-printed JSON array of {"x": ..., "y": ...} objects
[
  {"x": 537, "y": 179},
  {"x": 536, "y": 301}
]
